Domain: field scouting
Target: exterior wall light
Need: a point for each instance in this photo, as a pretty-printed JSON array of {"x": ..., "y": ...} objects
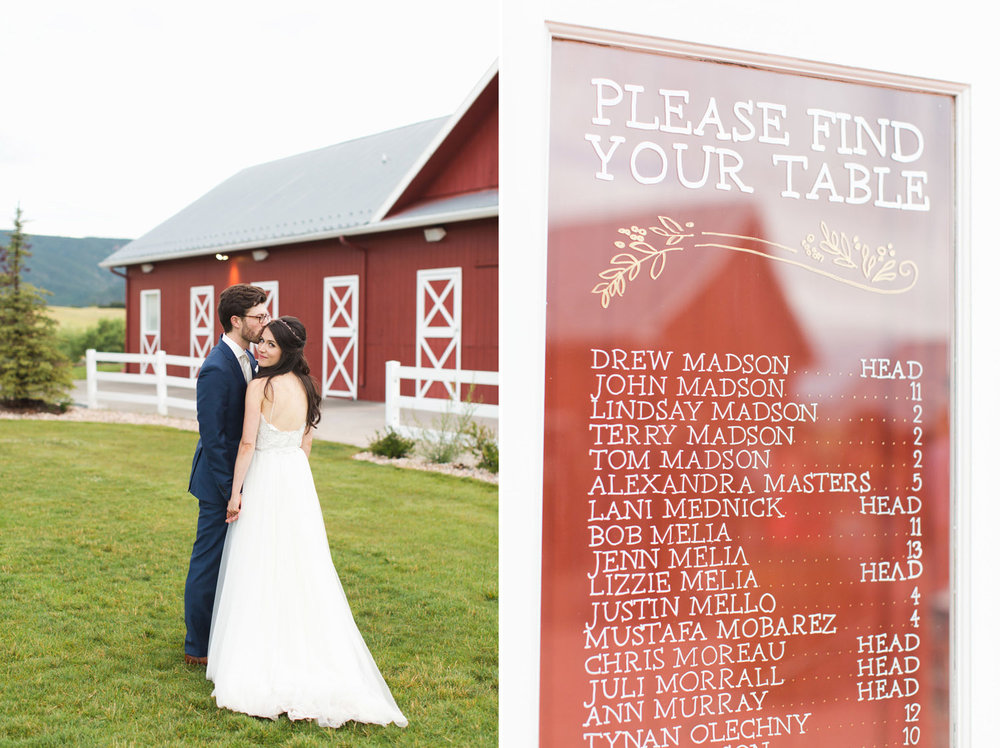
[
  {"x": 220, "y": 256},
  {"x": 259, "y": 255},
  {"x": 146, "y": 267},
  {"x": 435, "y": 234}
]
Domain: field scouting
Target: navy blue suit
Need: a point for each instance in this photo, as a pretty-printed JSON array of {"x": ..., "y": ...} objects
[{"x": 221, "y": 394}]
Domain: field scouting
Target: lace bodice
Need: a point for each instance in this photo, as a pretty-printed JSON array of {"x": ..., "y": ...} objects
[{"x": 270, "y": 438}]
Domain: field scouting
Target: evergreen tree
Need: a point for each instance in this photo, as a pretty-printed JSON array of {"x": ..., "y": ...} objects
[{"x": 33, "y": 372}]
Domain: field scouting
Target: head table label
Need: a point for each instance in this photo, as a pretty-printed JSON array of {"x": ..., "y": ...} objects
[{"x": 747, "y": 482}]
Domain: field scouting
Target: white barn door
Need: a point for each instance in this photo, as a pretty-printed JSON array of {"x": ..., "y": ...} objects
[
  {"x": 149, "y": 325},
  {"x": 202, "y": 323},
  {"x": 340, "y": 336},
  {"x": 439, "y": 324}
]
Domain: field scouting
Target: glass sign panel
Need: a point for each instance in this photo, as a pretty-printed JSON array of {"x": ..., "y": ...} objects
[{"x": 747, "y": 479}]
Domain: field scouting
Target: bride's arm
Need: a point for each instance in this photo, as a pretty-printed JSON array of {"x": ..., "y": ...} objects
[
  {"x": 307, "y": 441},
  {"x": 248, "y": 441}
]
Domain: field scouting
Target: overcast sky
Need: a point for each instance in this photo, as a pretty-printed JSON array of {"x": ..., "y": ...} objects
[{"x": 115, "y": 114}]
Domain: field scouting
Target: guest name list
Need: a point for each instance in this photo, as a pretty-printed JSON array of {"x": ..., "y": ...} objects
[{"x": 694, "y": 637}]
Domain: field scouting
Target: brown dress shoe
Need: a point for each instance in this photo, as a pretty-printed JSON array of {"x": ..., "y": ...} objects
[{"x": 192, "y": 660}]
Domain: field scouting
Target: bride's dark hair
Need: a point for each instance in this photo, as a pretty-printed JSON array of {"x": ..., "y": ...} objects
[{"x": 290, "y": 335}]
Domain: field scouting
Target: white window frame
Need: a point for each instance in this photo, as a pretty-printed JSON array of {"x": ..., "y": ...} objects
[
  {"x": 270, "y": 303},
  {"x": 272, "y": 296},
  {"x": 149, "y": 336}
]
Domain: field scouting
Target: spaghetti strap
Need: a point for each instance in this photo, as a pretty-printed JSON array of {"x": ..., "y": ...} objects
[{"x": 274, "y": 397}]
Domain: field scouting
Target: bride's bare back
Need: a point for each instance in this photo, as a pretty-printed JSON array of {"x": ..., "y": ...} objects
[{"x": 284, "y": 404}]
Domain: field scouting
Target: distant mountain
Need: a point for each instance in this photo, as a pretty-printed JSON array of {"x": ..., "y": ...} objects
[{"x": 68, "y": 268}]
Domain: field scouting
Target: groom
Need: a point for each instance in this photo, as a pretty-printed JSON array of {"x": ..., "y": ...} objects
[{"x": 222, "y": 384}]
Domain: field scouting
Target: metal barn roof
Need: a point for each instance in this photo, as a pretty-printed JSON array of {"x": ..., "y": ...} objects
[{"x": 332, "y": 191}]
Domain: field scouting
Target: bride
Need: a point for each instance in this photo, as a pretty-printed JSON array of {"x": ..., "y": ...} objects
[{"x": 283, "y": 640}]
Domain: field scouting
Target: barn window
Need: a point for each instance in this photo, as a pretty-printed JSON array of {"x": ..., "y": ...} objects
[
  {"x": 270, "y": 304},
  {"x": 272, "y": 296},
  {"x": 149, "y": 326}
]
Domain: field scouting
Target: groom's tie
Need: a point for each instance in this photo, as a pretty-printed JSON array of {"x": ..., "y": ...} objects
[{"x": 245, "y": 365}]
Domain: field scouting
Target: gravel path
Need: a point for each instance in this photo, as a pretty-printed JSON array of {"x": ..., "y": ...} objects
[
  {"x": 418, "y": 463},
  {"x": 98, "y": 415}
]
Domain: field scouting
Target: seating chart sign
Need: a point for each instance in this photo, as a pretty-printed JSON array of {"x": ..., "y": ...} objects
[{"x": 749, "y": 341}]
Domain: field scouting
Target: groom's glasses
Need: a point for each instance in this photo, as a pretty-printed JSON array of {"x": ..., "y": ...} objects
[{"x": 261, "y": 318}]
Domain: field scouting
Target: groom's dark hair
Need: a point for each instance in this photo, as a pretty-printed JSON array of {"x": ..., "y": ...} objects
[{"x": 236, "y": 300}]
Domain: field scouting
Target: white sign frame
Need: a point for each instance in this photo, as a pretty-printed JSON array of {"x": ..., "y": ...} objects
[{"x": 522, "y": 293}]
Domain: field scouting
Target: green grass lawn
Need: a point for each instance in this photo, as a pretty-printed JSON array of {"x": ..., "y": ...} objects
[
  {"x": 95, "y": 533},
  {"x": 80, "y": 371}
]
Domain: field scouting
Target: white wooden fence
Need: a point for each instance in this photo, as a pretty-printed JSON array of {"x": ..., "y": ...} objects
[
  {"x": 154, "y": 388},
  {"x": 159, "y": 379},
  {"x": 395, "y": 403}
]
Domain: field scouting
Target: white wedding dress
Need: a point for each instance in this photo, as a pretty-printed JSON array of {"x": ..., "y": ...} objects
[{"x": 283, "y": 640}]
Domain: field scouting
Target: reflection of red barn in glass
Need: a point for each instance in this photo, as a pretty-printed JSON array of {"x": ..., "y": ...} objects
[
  {"x": 900, "y": 428},
  {"x": 720, "y": 305}
]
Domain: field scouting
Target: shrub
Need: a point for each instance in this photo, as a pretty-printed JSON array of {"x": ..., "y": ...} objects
[
  {"x": 455, "y": 433},
  {"x": 449, "y": 437},
  {"x": 107, "y": 335},
  {"x": 484, "y": 447},
  {"x": 392, "y": 445}
]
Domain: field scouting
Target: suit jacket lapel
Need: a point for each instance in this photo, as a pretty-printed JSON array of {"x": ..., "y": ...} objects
[{"x": 234, "y": 364}]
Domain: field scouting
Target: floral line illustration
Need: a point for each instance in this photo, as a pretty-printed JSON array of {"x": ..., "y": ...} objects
[{"x": 851, "y": 261}]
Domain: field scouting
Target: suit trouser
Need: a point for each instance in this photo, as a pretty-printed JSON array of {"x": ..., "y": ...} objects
[{"x": 203, "y": 575}]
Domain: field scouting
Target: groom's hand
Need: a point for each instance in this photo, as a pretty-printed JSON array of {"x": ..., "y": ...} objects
[{"x": 233, "y": 509}]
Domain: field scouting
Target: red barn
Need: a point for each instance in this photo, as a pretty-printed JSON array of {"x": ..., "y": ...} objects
[{"x": 386, "y": 247}]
